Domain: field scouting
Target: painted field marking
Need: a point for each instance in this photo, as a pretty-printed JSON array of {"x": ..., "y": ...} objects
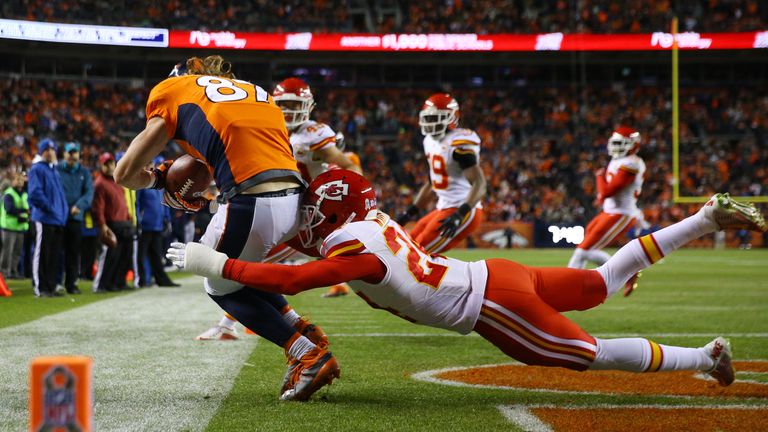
[
  {"x": 571, "y": 382},
  {"x": 523, "y": 416}
]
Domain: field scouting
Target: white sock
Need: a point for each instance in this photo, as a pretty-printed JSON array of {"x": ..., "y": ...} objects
[
  {"x": 300, "y": 347},
  {"x": 598, "y": 257},
  {"x": 291, "y": 317},
  {"x": 578, "y": 259},
  {"x": 643, "y": 355},
  {"x": 644, "y": 251},
  {"x": 226, "y": 322}
]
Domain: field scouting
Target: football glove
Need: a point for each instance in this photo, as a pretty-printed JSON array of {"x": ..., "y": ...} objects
[
  {"x": 160, "y": 172},
  {"x": 197, "y": 258},
  {"x": 407, "y": 215},
  {"x": 175, "y": 201},
  {"x": 450, "y": 225}
]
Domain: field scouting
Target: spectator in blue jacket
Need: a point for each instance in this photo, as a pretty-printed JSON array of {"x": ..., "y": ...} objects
[
  {"x": 49, "y": 213},
  {"x": 78, "y": 188},
  {"x": 155, "y": 218}
]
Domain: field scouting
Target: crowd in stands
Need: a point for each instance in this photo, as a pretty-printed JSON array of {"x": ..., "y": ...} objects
[
  {"x": 400, "y": 16},
  {"x": 540, "y": 145}
]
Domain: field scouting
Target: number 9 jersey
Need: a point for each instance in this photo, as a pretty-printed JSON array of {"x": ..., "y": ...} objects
[
  {"x": 426, "y": 289},
  {"x": 233, "y": 125},
  {"x": 445, "y": 172}
]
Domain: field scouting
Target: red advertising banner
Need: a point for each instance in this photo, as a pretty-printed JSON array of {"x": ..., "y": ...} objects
[{"x": 465, "y": 42}]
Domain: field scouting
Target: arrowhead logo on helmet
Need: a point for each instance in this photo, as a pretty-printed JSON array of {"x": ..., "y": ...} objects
[{"x": 334, "y": 198}]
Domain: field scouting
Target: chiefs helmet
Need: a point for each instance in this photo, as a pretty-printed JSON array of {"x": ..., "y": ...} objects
[
  {"x": 294, "y": 98},
  {"x": 439, "y": 114},
  {"x": 623, "y": 141},
  {"x": 333, "y": 199}
]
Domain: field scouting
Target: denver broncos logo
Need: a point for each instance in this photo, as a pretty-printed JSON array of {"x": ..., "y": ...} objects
[{"x": 333, "y": 191}]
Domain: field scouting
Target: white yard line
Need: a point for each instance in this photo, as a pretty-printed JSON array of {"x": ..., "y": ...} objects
[
  {"x": 149, "y": 373},
  {"x": 522, "y": 417}
]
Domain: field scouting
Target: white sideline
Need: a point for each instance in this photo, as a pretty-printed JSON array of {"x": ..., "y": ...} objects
[
  {"x": 522, "y": 417},
  {"x": 149, "y": 372}
]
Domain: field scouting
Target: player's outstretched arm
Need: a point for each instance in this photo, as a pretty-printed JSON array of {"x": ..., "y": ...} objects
[
  {"x": 130, "y": 171},
  {"x": 277, "y": 278},
  {"x": 621, "y": 180},
  {"x": 332, "y": 155}
]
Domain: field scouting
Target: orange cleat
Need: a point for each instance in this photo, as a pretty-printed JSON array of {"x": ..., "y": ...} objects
[
  {"x": 337, "y": 290},
  {"x": 312, "y": 332},
  {"x": 309, "y": 374}
]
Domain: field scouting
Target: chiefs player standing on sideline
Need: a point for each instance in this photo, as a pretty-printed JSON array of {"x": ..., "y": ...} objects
[
  {"x": 236, "y": 128},
  {"x": 617, "y": 190},
  {"x": 455, "y": 176},
  {"x": 316, "y": 148},
  {"x": 515, "y": 307}
]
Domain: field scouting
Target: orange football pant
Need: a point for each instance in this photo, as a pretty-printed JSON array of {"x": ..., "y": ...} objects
[
  {"x": 521, "y": 313},
  {"x": 604, "y": 229},
  {"x": 427, "y": 235}
]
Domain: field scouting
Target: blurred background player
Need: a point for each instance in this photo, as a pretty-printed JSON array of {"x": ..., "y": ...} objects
[
  {"x": 236, "y": 128},
  {"x": 618, "y": 187},
  {"x": 455, "y": 177},
  {"x": 316, "y": 148},
  {"x": 515, "y": 307},
  {"x": 78, "y": 188}
]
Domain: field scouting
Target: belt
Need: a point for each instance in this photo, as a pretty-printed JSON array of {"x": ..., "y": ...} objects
[{"x": 280, "y": 193}]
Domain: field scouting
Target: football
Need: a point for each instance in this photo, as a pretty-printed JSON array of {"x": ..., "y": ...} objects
[{"x": 190, "y": 177}]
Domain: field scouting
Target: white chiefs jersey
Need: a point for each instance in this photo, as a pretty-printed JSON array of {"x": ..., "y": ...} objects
[
  {"x": 308, "y": 138},
  {"x": 625, "y": 201},
  {"x": 426, "y": 289},
  {"x": 447, "y": 177}
]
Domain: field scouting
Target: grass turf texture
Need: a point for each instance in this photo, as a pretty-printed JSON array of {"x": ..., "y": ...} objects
[
  {"x": 688, "y": 299},
  {"x": 23, "y": 306}
]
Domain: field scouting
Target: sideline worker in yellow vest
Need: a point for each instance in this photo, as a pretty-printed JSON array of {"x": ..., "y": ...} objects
[{"x": 14, "y": 222}]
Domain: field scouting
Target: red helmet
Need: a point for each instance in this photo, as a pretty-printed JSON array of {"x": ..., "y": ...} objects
[
  {"x": 439, "y": 114},
  {"x": 294, "y": 98},
  {"x": 624, "y": 141},
  {"x": 333, "y": 199}
]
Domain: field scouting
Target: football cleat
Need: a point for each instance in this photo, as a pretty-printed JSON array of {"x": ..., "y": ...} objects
[
  {"x": 631, "y": 284},
  {"x": 337, "y": 290},
  {"x": 720, "y": 351},
  {"x": 219, "y": 332},
  {"x": 313, "y": 371},
  {"x": 727, "y": 213},
  {"x": 315, "y": 334}
]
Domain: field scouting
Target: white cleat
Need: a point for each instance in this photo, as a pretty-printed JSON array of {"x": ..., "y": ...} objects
[
  {"x": 727, "y": 213},
  {"x": 219, "y": 332},
  {"x": 720, "y": 351}
]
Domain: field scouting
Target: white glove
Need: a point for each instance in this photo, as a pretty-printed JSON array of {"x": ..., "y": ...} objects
[{"x": 197, "y": 258}]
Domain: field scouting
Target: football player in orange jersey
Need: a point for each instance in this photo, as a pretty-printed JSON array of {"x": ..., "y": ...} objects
[
  {"x": 317, "y": 148},
  {"x": 515, "y": 307},
  {"x": 618, "y": 188},
  {"x": 453, "y": 155},
  {"x": 236, "y": 128}
]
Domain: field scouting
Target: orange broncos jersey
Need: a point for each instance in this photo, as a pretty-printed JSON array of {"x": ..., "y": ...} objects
[{"x": 233, "y": 125}]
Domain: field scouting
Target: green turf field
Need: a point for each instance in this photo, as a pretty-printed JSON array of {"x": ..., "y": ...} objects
[{"x": 686, "y": 300}]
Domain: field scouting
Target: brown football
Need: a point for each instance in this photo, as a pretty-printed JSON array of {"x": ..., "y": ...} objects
[{"x": 189, "y": 177}]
